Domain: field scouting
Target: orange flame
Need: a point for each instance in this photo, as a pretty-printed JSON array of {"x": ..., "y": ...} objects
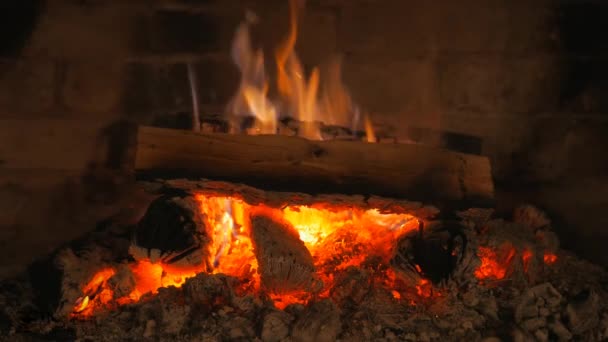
[
  {"x": 300, "y": 96},
  {"x": 369, "y": 130},
  {"x": 337, "y": 237},
  {"x": 285, "y": 50}
]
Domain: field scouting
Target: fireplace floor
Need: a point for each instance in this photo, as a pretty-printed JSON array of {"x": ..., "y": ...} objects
[{"x": 501, "y": 279}]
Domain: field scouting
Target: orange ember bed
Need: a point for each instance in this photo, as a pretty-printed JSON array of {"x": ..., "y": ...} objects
[{"x": 335, "y": 233}]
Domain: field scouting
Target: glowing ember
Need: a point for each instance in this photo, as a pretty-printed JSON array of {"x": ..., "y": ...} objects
[
  {"x": 526, "y": 257},
  {"x": 336, "y": 237},
  {"x": 148, "y": 278},
  {"x": 494, "y": 262},
  {"x": 549, "y": 258}
]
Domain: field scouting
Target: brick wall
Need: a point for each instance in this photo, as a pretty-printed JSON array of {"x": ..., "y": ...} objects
[
  {"x": 512, "y": 72},
  {"x": 494, "y": 69}
]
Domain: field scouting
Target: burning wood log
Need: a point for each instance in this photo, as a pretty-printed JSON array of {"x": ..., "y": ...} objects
[
  {"x": 292, "y": 163},
  {"x": 285, "y": 262},
  {"x": 172, "y": 231}
]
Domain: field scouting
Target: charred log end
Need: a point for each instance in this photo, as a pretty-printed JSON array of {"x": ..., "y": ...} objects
[
  {"x": 172, "y": 231},
  {"x": 437, "y": 253},
  {"x": 285, "y": 264}
]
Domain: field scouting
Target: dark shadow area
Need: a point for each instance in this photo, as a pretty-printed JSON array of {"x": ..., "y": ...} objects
[
  {"x": 18, "y": 18},
  {"x": 582, "y": 29}
]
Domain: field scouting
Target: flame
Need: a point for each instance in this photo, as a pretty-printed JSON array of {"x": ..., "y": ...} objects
[
  {"x": 549, "y": 258},
  {"x": 148, "y": 278},
  {"x": 369, "y": 130},
  {"x": 285, "y": 51},
  {"x": 250, "y": 98},
  {"x": 495, "y": 263},
  {"x": 336, "y": 236},
  {"x": 299, "y": 96},
  {"x": 231, "y": 248},
  {"x": 81, "y": 304},
  {"x": 95, "y": 293}
]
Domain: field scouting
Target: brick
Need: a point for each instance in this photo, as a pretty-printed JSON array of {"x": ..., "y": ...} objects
[
  {"x": 472, "y": 26},
  {"x": 408, "y": 86},
  {"x": 218, "y": 81},
  {"x": 26, "y": 87},
  {"x": 533, "y": 29},
  {"x": 171, "y": 31},
  {"x": 160, "y": 89},
  {"x": 496, "y": 84},
  {"x": 93, "y": 87},
  {"x": 502, "y": 27},
  {"x": 78, "y": 30},
  {"x": 151, "y": 89},
  {"x": 318, "y": 38},
  {"x": 394, "y": 28}
]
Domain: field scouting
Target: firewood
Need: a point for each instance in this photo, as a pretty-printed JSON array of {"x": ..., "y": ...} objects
[
  {"x": 281, "y": 199},
  {"x": 295, "y": 164},
  {"x": 285, "y": 262},
  {"x": 172, "y": 231}
]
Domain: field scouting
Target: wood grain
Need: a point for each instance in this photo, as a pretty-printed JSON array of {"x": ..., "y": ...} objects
[{"x": 296, "y": 164}]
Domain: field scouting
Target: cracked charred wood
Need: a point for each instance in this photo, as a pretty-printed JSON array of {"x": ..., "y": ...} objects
[
  {"x": 438, "y": 252},
  {"x": 284, "y": 261},
  {"x": 293, "y": 164},
  {"x": 172, "y": 231}
]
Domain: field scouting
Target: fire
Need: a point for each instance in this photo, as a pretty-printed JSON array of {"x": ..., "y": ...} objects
[
  {"x": 549, "y": 258},
  {"x": 336, "y": 237},
  {"x": 424, "y": 288},
  {"x": 147, "y": 278},
  {"x": 495, "y": 263},
  {"x": 369, "y": 130},
  {"x": 298, "y": 96},
  {"x": 526, "y": 257}
]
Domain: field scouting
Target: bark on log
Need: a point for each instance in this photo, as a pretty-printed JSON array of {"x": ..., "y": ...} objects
[{"x": 296, "y": 164}]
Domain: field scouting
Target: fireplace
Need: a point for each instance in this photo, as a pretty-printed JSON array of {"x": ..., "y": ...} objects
[{"x": 303, "y": 170}]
